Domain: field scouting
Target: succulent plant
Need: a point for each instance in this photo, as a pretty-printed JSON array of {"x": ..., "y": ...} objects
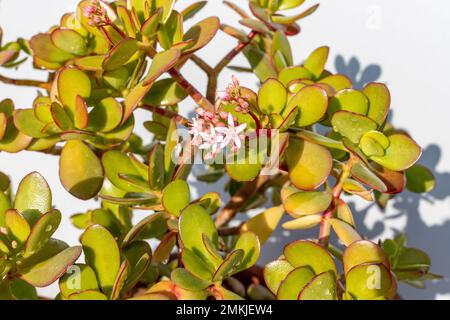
[{"x": 317, "y": 138}]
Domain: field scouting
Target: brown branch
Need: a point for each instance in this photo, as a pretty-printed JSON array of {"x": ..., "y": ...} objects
[
  {"x": 166, "y": 113},
  {"x": 202, "y": 64},
  {"x": 214, "y": 75},
  {"x": 325, "y": 226},
  {"x": 236, "y": 202},
  {"x": 191, "y": 90},
  {"x": 25, "y": 83}
]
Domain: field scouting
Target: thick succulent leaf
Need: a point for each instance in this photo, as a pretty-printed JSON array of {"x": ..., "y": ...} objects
[
  {"x": 106, "y": 115},
  {"x": 167, "y": 6},
  {"x": 72, "y": 82},
  {"x": 337, "y": 81},
  {"x": 401, "y": 154},
  {"x": 156, "y": 167},
  {"x": 201, "y": 34},
  {"x": 374, "y": 143},
  {"x": 162, "y": 62},
  {"x": 352, "y": 125},
  {"x": 307, "y": 253},
  {"x": 195, "y": 221},
  {"x": 229, "y": 265},
  {"x": 44, "y": 48},
  {"x": 165, "y": 92},
  {"x": 312, "y": 103},
  {"x": 176, "y": 197},
  {"x": 120, "y": 54},
  {"x": 294, "y": 282},
  {"x": 171, "y": 31},
  {"x": 120, "y": 280},
  {"x": 394, "y": 180},
  {"x": 294, "y": 73},
  {"x": 280, "y": 44},
  {"x": 197, "y": 265},
  {"x": 220, "y": 293},
  {"x": 260, "y": 63},
  {"x": 309, "y": 164},
  {"x": 48, "y": 271},
  {"x": 272, "y": 97},
  {"x": 275, "y": 272},
  {"x": 344, "y": 213},
  {"x": 22, "y": 290},
  {"x": 365, "y": 175},
  {"x": 369, "y": 281},
  {"x": 27, "y": 123},
  {"x": 85, "y": 179},
  {"x": 61, "y": 117},
  {"x": 264, "y": 223},
  {"x": 379, "y": 101},
  {"x": 88, "y": 295},
  {"x": 164, "y": 249},
  {"x": 304, "y": 222},
  {"x": 138, "y": 228},
  {"x": 249, "y": 243},
  {"x": 192, "y": 9},
  {"x": 363, "y": 251},
  {"x": 80, "y": 113},
  {"x": 79, "y": 277},
  {"x": 346, "y": 233},
  {"x": 41, "y": 232},
  {"x": 292, "y": 19},
  {"x": 349, "y": 100},
  {"x": 101, "y": 254},
  {"x": 317, "y": 60},
  {"x": 321, "y": 140},
  {"x": 13, "y": 140},
  {"x": 186, "y": 280},
  {"x": 245, "y": 169},
  {"x": 69, "y": 41},
  {"x": 17, "y": 227},
  {"x": 322, "y": 287},
  {"x": 210, "y": 201},
  {"x": 33, "y": 193},
  {"x": 116, "y": 163},
  {"x": 419, "y": 179},
  {"x": 307, "y": 203},
  {"x": 90, "y": 63}
]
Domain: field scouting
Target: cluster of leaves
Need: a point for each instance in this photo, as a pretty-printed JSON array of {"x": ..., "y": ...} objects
[{"x": 332, "y": 139}]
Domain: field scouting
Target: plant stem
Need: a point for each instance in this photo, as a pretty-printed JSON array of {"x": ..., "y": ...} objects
[
  {"x": 25, "y": 83},
  {"x": 325, "y": 226},
  {"x": 186, "y": 85},
  {"x": 166, "y": 113},
  {"x": 191, "y": 90},
  {"x": 213, "y": 75},
  {"x": 230, "y": 210}
]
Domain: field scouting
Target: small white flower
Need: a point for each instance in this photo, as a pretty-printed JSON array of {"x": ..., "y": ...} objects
[{"x": 232, "y": 133}]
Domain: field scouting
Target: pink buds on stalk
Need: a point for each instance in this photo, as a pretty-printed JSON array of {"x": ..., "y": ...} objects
[
  {"x": 96, "y": 14},
  {"x": 233, "y": 95}
]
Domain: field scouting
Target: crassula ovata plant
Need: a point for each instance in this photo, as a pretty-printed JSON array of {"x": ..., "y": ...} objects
[{"x": 305, "y": 136}]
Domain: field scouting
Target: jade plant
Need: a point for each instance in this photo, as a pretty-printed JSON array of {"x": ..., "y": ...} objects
[{"x": 301, "y": 145}]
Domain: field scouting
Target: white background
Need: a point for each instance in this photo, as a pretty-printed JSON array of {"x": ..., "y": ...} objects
[{"x": 405, "y": 43}]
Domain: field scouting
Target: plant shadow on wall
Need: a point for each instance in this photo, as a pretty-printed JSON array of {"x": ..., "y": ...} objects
[{"x": 405, "y": 211}]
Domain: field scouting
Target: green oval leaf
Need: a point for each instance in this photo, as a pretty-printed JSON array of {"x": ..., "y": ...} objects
[
  {"x": 69, "y": 41},
  {"x": 419, "y": 179},
  {"x": 309, "y": 164},
  {"x": 176, "y": 197},
  {"x": 102, "y": 255},
  {"x": 294, "y": 282},
  {"x": 33, "y": 193},
  {"x": 41, "y": 232},
  {"x": 307, "y": 203},
  {"x": 272, "y": 97},
  {"x": 85, "y": 179}
]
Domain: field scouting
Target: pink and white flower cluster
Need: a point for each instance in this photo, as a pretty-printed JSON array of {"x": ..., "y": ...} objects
[
  {"x": 215, "y": 131},
  {"x": 96, "y": 14},
  {"x": 233, "y": 95}
]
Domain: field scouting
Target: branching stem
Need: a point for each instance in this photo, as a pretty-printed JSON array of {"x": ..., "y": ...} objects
[{"x": 25, "y": 82}]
